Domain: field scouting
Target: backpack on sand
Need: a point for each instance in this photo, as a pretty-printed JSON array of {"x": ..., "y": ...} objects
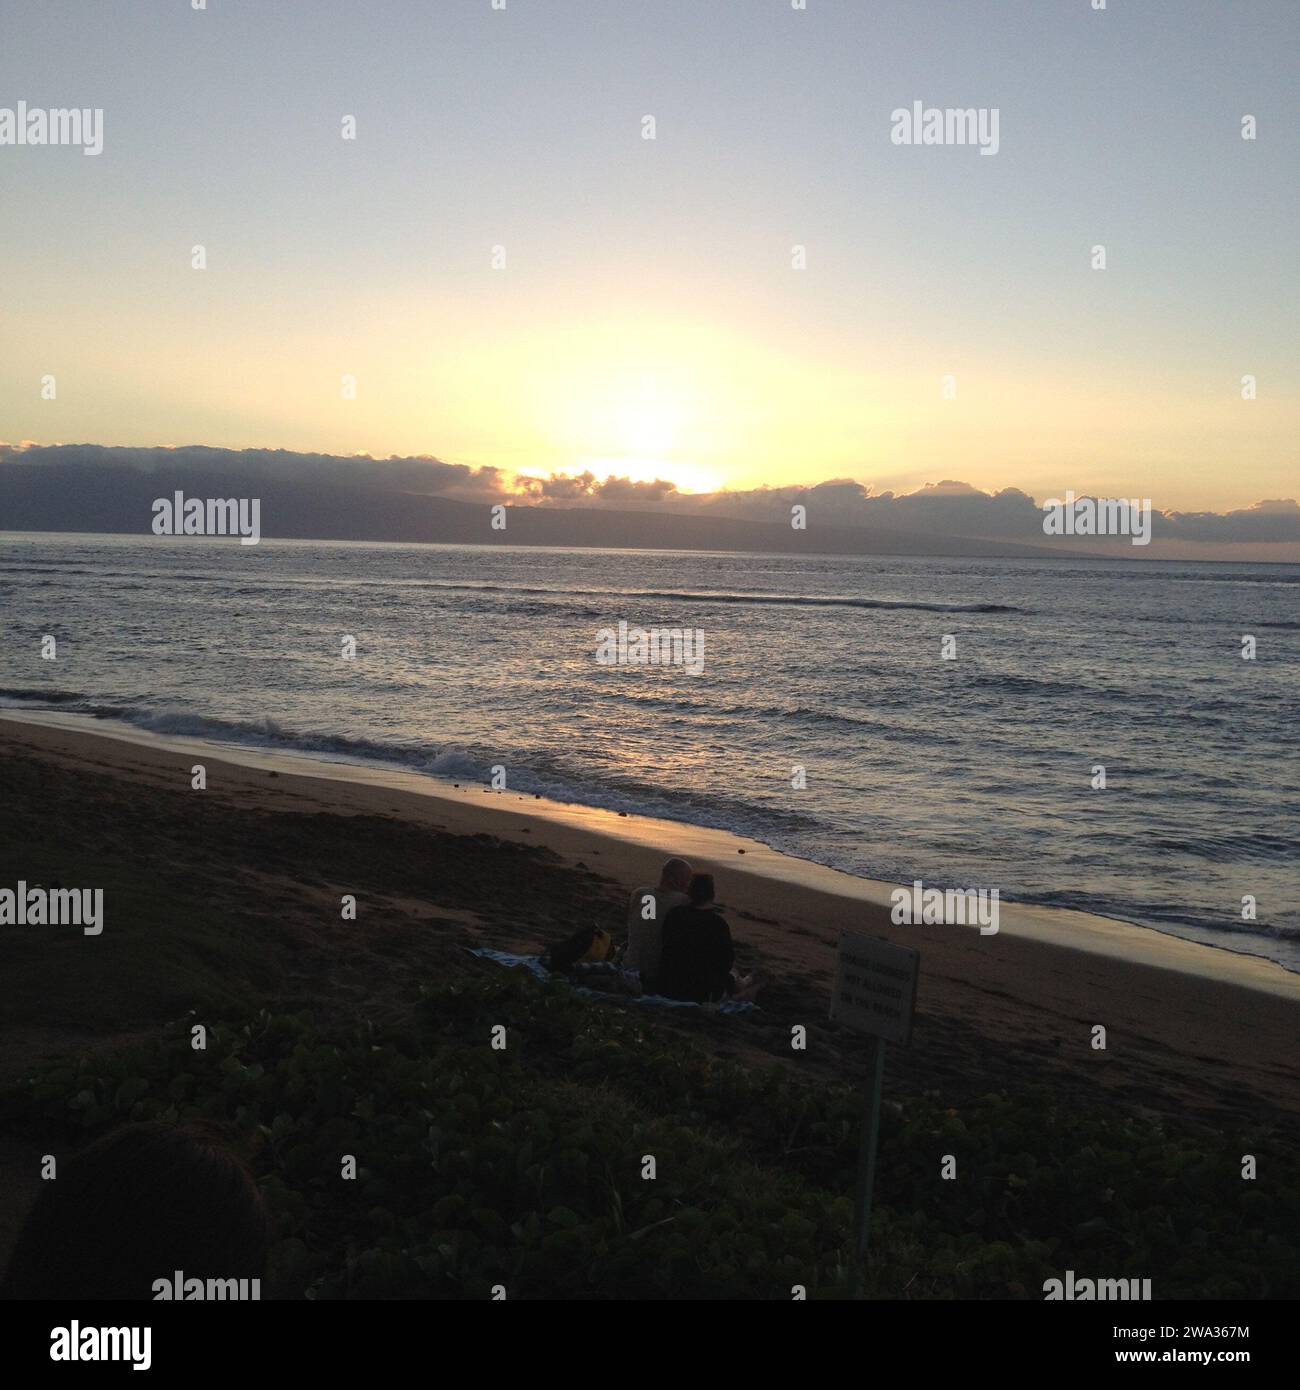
[{"x": 584, "y": 946}]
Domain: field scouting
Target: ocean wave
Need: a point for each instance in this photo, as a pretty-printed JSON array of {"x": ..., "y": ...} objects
[
  {"x": 1235, "y": 578},
  {"x": 239, "y": 584},
  {"x": 47, "y": 697},
  {"x": 695, "y": 596},
  {"x": 626, "y": 596},
  {"x": 1007, "y": 684},
  {"x": 530, "y": 771}
]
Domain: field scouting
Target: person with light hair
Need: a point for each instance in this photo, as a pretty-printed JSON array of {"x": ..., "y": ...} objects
[{"x": 646, "y": 911}]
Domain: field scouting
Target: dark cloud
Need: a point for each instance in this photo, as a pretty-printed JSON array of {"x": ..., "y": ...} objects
[
  {"x": 624, "y": 490},
  {"x": 1276, "y": 520},
  {"x": 952, "y": 508},
  {"x": 946, "y": 508},
  {"x": 421, "y": 474},
  {"x": 585, "y": 488}
]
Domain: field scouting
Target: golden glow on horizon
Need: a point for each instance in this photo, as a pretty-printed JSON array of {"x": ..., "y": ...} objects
[
  {"x": 683, "y": 476},
  {"x": 703, "y": 400}
]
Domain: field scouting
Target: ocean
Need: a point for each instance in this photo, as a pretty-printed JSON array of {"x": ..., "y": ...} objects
[{"x": 975, "y": 771}]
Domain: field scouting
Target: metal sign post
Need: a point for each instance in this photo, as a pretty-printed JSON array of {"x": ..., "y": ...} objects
[
  {"x": 875, "y": 994},
  {"x": 867, "y": 1149}
]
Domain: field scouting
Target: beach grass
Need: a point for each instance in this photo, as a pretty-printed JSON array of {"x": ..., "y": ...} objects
[{"x": 525, "y": 1168}]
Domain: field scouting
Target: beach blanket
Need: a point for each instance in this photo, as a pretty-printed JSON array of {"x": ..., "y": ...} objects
[{"x": 533, "y": 964}]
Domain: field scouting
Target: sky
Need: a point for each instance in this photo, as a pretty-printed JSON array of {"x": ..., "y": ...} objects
[{"x": 648, "y": 320}]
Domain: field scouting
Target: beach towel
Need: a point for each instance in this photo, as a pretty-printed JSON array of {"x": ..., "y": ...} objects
[{"x": 533, "y": 964}]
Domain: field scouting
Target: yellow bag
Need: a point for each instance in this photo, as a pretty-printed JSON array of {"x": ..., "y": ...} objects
[{"x": 601, "y": 948}]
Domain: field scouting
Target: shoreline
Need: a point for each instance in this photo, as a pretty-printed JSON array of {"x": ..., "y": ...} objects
[
  {"x": 568, "y": 826},
  {"x": 233, "y": 892}
]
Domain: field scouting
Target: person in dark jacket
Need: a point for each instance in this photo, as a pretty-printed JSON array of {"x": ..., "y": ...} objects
[{"x": 697, "y": 950}]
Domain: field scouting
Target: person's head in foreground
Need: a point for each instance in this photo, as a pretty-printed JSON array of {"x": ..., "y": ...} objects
[
  {"x": 135, "y": 1207},
  {"x": 675, "y": 875},
  {"x": 700, "y": 890}
]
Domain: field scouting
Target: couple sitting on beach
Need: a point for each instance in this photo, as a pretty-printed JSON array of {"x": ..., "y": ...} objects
[{"x": 679, "y": 941}]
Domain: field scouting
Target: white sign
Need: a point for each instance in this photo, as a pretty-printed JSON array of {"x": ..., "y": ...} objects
[{"x": 875, "y": 987}]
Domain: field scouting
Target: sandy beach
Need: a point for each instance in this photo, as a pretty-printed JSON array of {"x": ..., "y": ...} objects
[{"x": 1188, "y": 1026}]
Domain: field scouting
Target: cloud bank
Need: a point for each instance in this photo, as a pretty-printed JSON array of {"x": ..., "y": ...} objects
[{"x": 948, "y": 508}]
